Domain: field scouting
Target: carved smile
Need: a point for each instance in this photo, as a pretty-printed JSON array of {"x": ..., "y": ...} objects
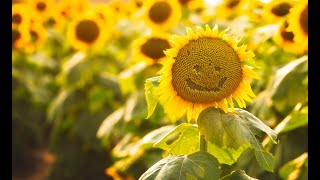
[{"x": 194, "y": 86}]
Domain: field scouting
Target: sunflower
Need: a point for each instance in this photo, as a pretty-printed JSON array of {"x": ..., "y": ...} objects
[
  {"x": 103, "y": 12},
  {"x": 20, "y": 16},
  {"x": 298, "y": 23},
  {"x": 285, "y": 39},
  {"x": 162, "y": 14},
  {"x": 150, "y": 48},
  {"x": 20, "y": 37},
  {"x": 205, "y": 68},
  {"x": 230, "y": 8},
  {"x": 67, "y": 9},
  {"x": 119, "y": 9},
  {"x": 38, "y": 35},
  {"x": 41, "y": 8},
  {"x": 276, "y": 10},
  {"x": 254, "y": 10},
  {"x": 87, "y": 31}
]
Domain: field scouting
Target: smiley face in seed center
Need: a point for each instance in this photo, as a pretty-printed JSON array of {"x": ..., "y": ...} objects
[{"x": 206, "y": 70}]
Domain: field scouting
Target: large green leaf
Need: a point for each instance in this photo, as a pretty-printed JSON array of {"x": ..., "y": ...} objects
[
  {"x": 238, "y": 175},
  {"x": 226, "y": 155},
  {"x": 151, "y": 97},
  {"x": 233, "y": 129},
  {"x": 199, "y": 165},
  {"x": 109, "y": 123},
  {"x": 289, "y": 85},
  {"x": 184, "y": 139}
]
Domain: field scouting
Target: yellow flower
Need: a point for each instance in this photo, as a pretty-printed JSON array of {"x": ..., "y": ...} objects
[
  {"x": 298, "y": 23},
  {"x": 230, "y": 8},
  {"x": 205, "y": 68},
  {"x": 285, "y": 39},
  {"x": 41, "y": 8},
  {"x": 119, "y": 9},
  {"x": 103, "y": 12},
  {"x": 150, "y": 48},
  {"x": 68, "y": 9},
  {"x": 87, "y": 31},
  {"x": 162, "y": 14},
  {"x": 255, "y": 10},
  {"x": 276, "y": 10},
  {"x": 38, "y": 35},
  {"x": 20, "y": 37},
  {"x": 20, "y": 15}
]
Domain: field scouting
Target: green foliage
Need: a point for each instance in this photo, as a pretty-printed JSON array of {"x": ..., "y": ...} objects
[
  {"x": 199, "y": 165},
  {"x": 235, "y": 129},
  {"x": 237, "y": 175},
  {"x": 295, "y": 169},
  {"x": 184, "y": 135}
]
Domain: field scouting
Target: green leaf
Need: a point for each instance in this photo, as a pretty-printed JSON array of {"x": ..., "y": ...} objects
[
  {"x": 237, "y": 175},
  {"x": 151, "y": 97},
  {"x": 226, "y": 155},
  {"x": 199, "y": 165},
  {"x": 109, "y": 122},
  {"x": 127, "y": 77},
  {"x": 288, "y": 86},
  {"x": 295, "y": 120},
  {"x": 56, "y": 106},
  {"x": 265, "y": 159},
  {"x": 233, "y": 129},
  {"x": 295, "y": 169},
  {"x": 184, "y": 139}
]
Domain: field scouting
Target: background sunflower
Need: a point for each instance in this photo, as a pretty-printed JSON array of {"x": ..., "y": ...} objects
[
  {"x": 298, "y": 23},
  {"x": 276, "y": 10},
  {"x": 162, "y": 14},
  {"x": 86, "y": 32}
]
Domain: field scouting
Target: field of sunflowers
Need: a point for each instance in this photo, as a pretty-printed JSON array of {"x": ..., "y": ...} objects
[{"x": 159, "y": 89}]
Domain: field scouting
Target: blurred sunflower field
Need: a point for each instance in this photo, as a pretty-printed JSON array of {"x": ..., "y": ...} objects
[{"x": 159, "y": 89}]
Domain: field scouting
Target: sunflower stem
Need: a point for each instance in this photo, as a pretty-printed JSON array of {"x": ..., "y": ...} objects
[{"x": 203, "y": 142}]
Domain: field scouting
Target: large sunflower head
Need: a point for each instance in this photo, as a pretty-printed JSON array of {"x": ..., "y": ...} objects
[
  {"x": 150, "y": 48},
  {"x": 20, "y": 16},
  {"x": 276, "y": 10},
  {"x": 205, "y": 68},
  {"x": 87, "y": 31},
  {"x": 285, "y": 39},
  {"x": 298, "y": 23},
  {"x": 162, "y": 14}
]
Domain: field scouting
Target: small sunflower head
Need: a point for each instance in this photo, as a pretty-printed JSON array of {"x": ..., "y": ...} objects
[
  {"x": 285, "y": 39},
  {"x": 205, "y": 68},
  {"x": 298, "y": 23},
  {"x": 20, "y": 16},
  {"x": 86, "y": 31},
  {"x": 20, "y": 37},
  {"x": 276, "y": 11},
  {"x": 230, "y": 8},
  {"x": 162, "y": 14},
  {"x": 150, "y": 48}
]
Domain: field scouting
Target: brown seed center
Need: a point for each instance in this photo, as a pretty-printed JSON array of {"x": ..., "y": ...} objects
[
  {"x": 232, "y": 3},
  {"x": 184, "y": 1},
  {"x": 154, "y": 48},
  {"x": 206, "y": 70},
  {"x": 281, "y": 9},
  {"x": 87, "y": 31},
  {"x": 160, "y": 12},
  {"x": 15, "y": 36},
  {"x": 304, "y": 20},
  {"x": 17, "y": 18},
  {"x": 41, "y": 6}
]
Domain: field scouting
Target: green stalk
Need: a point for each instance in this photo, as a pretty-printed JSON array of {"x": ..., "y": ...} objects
[{"x": 203, "y": 142}]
